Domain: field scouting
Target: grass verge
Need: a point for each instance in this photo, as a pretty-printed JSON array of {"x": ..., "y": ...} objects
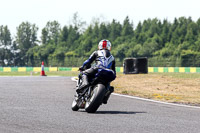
[
  {"x": 181, "y": 88},
  {"x": 59, "y": 73}
]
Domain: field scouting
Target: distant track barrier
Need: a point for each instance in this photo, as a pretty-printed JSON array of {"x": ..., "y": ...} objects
[
  {"x": 174, "y": 69},
  {"x": 118, "y": 69}
]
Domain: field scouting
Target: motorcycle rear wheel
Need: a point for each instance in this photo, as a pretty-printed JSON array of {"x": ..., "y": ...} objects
[{"x": 97, "y": 95}]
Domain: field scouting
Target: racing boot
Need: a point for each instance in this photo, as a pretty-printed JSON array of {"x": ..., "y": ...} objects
[
  {"x": 84, "y": 85},
  {"x": 107, "y": 95}
]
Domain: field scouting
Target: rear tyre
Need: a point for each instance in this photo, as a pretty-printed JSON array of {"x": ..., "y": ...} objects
[{"x": 97, "y": 95}]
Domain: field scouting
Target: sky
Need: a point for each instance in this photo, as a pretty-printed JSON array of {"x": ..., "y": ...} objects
[{"x": 39, "y": 12}]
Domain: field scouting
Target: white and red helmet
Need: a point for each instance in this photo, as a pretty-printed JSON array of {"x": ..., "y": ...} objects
[{"x": 104, "y": 44}]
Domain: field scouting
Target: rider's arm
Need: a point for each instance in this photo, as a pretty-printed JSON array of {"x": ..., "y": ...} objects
[{"x": 90, "y": 60}]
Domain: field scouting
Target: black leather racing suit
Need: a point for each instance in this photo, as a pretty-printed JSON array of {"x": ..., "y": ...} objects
[{"x": 103, "y": 60}]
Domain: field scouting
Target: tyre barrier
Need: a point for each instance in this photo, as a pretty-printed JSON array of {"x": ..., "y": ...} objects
[{"x": 118, "y": 69}]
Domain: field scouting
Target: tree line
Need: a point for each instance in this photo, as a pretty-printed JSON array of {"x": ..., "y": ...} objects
[{"x": 165, "y": 43}]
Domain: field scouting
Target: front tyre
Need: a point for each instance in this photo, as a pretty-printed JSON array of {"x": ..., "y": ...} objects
[
  {"x": 74, "y": 105},
  {"x": 97, "y": 95}
]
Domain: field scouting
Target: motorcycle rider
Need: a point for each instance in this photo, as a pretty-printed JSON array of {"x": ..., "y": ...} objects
[{"x": 104, "y": 67}]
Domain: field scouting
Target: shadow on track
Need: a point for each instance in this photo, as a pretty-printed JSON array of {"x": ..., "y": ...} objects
[{"x": 118, "y": 112}]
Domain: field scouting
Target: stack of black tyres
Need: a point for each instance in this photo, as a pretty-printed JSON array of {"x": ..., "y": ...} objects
[{"x": 135, "y": 65}]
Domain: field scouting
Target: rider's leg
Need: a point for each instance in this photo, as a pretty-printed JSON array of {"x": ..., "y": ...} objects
[
  {"x": 86, "y": 73},
  {"x": 106, "y": 97},
  {"x": 85, "y": 83}
]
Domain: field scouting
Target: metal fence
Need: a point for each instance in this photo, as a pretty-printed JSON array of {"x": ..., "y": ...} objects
[{"x": 78, "y": 61}]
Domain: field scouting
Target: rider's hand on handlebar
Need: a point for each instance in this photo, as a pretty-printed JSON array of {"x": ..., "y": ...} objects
[{"x": 80, "y": 69}]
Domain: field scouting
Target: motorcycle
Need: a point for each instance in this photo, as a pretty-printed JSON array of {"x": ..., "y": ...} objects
[{"x": 96, "y": 94}]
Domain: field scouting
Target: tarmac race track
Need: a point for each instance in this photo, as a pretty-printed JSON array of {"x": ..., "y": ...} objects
[{"x": 43, "y": 105}]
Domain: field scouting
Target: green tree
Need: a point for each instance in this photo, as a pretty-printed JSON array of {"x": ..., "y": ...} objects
[
  {"x": 160, "y": 41},
  {"x": 95, "y": 32},
  {"x": 5, "y": 46},
  {"x": 51, "y": 32},
  {"x": 192, "y": 32},
  {"x": 73, "y": 37},
  {"x": 103, "y": 31},
  {"x": 64, "y": 34},
  {"x": 44, "y": 37},
  {"x": 165, "y": 34},
  {"x": 155, "y": 28},
  {"x": 78, "y": 23},
  {"x": 86, "y": 42},
  {"x": 115, "y": 30},
  {"x": 45, "y": 51},
  {"x": 26, "y": 38},
  {"x": 127, "y": 28}
]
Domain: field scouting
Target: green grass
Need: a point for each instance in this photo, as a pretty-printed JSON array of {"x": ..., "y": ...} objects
[
  {"x": 59, "y": 73},
  {"x": 18, "y": 74},
  {"x": 69, "y": 73},
  {"x": 181, "y": 75},
  {"x": 170, "y": 87}
]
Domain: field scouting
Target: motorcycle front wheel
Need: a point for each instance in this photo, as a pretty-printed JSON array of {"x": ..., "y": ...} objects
[{"x": 74, "y": 105}]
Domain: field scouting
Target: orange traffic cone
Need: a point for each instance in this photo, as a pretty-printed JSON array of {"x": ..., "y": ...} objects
[{"x": 42, "y": 70}]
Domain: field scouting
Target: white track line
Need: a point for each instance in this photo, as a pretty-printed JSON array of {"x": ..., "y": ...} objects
[
  {"x": 149, "y": 100},
  {"x": 74, "y": 79}
]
